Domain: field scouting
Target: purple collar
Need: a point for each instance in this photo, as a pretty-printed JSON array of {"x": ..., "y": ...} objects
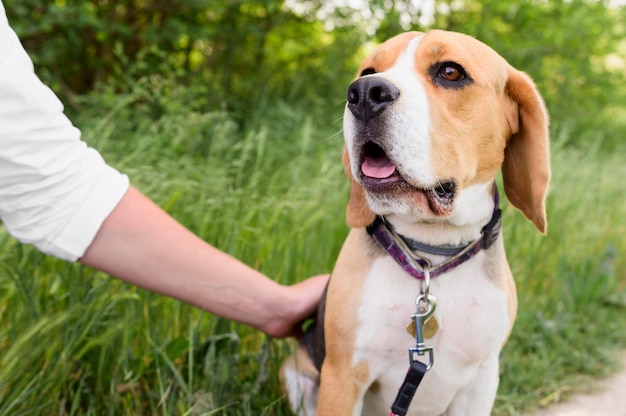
[{"x": 400, "y": 248}]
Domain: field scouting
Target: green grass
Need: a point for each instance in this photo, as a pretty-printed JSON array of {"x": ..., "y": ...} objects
[
  {"x": 77, "y": 342},
  {"x": 571, "y": 283}
]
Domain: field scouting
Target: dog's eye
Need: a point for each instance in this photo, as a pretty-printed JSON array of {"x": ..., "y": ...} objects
[
  {"x": 450, "y": 75},
  {"x": 451, "y": 72},
  {"x": 368, "y": 71}
]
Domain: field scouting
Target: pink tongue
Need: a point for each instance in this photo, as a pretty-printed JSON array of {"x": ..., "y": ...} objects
[{"x": 378, "y": 168}]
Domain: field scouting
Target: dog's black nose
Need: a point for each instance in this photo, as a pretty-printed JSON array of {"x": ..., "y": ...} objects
[{"x": 369, "y": 96}]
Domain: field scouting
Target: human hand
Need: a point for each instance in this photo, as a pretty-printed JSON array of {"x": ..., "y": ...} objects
[{"x": 301, "y": 301}]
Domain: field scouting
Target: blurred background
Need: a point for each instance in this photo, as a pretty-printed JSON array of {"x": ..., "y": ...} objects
[
  {"x": 232, "y": 54},
  {"x": 228, "y": 114}
]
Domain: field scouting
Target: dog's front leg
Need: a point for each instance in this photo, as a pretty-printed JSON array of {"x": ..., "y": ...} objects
[
  {"x": 343, "y": 382},
  {"x": 478, "y": 398},
  {"x": 342, "y": 389}
]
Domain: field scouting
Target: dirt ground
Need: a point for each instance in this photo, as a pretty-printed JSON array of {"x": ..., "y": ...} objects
[{"x": 608, "y": 399}]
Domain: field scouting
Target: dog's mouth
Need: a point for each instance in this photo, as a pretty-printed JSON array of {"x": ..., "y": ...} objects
[
  {"x": 376, "y": 167},
  {"x": 380, "y": 175}
]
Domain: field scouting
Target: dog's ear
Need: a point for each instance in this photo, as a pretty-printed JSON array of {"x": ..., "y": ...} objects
[
  {"x": 358, "y": 212},
  {"x": 526, "y": 167}
]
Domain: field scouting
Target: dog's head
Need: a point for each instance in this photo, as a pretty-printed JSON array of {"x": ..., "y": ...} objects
[{"x": 430, "y": 116}]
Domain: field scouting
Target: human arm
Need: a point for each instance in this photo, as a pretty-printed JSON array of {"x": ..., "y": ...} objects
[
  {"x": 59, "y": 195},
  {"x": 143, "y": 245}
]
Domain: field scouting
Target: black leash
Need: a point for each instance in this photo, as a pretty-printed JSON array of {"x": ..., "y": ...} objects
[{"x": 408, "y": 388}]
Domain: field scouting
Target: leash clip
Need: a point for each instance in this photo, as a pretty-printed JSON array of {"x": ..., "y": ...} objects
[{"x": 425, "y": 304}]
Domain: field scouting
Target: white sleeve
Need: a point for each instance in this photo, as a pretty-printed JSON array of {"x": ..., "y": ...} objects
[{"x": 55, "y": 192}]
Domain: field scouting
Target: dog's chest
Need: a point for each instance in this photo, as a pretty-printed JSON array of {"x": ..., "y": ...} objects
[{"x": 472, "y": 320}]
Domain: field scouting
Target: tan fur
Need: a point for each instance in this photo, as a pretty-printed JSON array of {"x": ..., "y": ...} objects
[
  {"x": 300, "y": 360},
  {"x": 474, "y": 111},
  {"x": 526, "y": 168},
  {"x": 344, "y": 293},
  {"x": 522, "y": 125},
  {"x": 386, "y": 54},
  {"x": 345, "y": 379}
]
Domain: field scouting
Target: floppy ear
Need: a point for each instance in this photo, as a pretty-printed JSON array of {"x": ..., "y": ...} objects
[
  {"x": 526, "y": 167},
  {"x": 358, "y": 213}
]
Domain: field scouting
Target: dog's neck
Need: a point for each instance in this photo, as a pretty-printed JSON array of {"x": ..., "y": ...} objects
[
  {"x": 440, "y": 258},
  {"x": 474, "y": 207}
]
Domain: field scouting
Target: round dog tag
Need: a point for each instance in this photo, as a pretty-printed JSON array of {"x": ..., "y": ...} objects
[{"x": 431, "y": 326}]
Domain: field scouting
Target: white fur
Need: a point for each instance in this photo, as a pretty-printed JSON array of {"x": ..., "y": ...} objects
[
  {"x": 464, "y": 377},
  {"x": 473, "y": 208},
  {"x": 408, "y": 123},
  {"x": 301, "y": 390}
]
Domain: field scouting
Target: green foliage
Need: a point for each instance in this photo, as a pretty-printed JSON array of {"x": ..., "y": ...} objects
[
  {"x": 238, "y": 51},
  {"x": 571, "y": 284},
  {"x": 78, "y": 43},
  {"x": 228, "y": 114}
]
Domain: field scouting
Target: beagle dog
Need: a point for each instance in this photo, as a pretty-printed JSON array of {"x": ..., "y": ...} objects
[{"x": 429, "y": 121}]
